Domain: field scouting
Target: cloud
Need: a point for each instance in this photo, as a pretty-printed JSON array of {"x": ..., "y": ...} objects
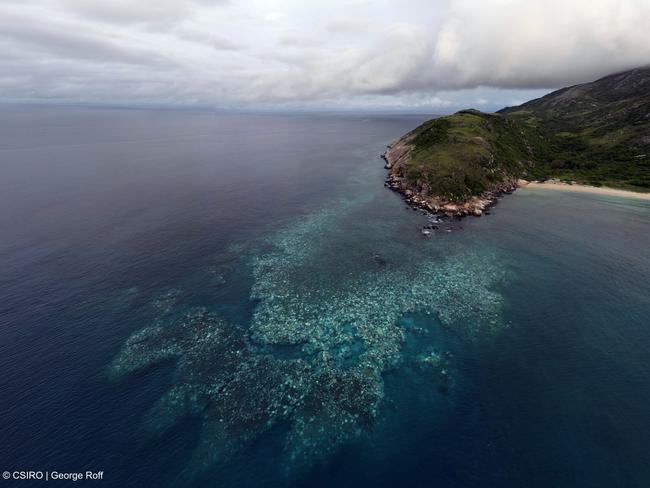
[
  {"x": 539, "y": 43},
  {"x": 346, "y": 26},
  {"x": 130, "y": 11},
  {"x": 438, "y": 102},
  {"x": 339, "y": 53},
  {"x": 208, "y": 39},
  {"x": 69, "y": 40}
]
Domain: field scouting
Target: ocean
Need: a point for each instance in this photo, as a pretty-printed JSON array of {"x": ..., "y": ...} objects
[{"x": 189, "y": 298}]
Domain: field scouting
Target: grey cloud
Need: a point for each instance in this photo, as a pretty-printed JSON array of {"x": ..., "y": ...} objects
[
  {"x": 539, "y": 44},
  {"x": 137, "y": 11},
  {"x": 346, "y": 26},
  {"x": 72, "y": 42},
  {"x": 336, "y": 52},
  {"x": 212, "y": 40}
]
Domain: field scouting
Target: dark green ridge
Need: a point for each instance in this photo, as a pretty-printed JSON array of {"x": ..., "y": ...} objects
[{"x": 595, "y": 133}]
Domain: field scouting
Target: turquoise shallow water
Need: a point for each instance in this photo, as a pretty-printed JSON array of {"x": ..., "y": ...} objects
[{"x": 192, "y": 299}]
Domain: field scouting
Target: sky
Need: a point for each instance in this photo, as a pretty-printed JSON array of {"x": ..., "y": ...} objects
[{"x": 405, "y": 55}]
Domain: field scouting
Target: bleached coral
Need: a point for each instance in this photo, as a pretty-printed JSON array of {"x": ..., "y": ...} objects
[{"x": 324, "y": 331}]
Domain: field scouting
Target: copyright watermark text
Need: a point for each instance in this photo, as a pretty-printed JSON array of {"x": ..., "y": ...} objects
[{"x": 52, "y": 475}]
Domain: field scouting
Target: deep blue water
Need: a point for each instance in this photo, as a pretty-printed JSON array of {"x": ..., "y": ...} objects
[{"x": 509, "y": 352}]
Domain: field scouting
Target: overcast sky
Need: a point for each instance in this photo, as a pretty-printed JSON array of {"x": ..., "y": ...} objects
[{"x": 435, "y": 55}]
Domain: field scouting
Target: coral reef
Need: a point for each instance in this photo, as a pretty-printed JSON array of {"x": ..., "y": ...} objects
[{"x": 324, "y": 330}]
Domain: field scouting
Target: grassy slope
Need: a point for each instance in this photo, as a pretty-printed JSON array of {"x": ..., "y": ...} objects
[
  {"x": 596, "y": 133},
  {"x": 469, "y": 152},
  {"x": 600, "y": 151},
  {"x": 599, "y": 132}
]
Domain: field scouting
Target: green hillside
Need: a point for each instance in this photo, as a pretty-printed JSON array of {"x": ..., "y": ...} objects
[
  {"x": 468, "y": 153},
  {"x": 599, "y": 132},
  {"x": 596, "y": 133}
]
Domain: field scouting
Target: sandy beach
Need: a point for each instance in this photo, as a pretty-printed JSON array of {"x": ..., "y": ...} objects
[{"x": 585, "y": 189}]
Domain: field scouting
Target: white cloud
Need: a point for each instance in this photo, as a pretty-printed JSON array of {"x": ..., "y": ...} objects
[
  {"x": 438, "y": 102},
  {"x": 407, "y": 53},
  {"x": 539, "y": 43},
  {"x": 345, "y": 25}
]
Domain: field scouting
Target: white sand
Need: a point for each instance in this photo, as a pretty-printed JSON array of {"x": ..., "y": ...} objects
[{"x": 603, "y": 190}]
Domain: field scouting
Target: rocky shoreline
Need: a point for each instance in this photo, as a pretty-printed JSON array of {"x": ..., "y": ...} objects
[{"x": 417, "y": 197}]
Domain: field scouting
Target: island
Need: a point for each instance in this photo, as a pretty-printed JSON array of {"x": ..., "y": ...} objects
[{"x": 595, "y": 134}]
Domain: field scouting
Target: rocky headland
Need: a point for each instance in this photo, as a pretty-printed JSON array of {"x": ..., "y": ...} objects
[
  {"x": 593, "y": 134},
  {"x": 417, "y": 194}
]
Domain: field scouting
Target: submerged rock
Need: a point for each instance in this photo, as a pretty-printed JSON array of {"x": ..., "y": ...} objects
[
  {"x": 437, "y": 366},
  {"x": 379, "y": 259}
]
